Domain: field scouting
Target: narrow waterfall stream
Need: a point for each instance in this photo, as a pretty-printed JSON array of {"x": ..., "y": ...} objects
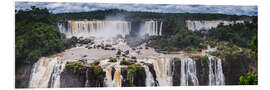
[
  {"x": 117, "y": 77},
  {"x": 149, "y": 82},
  {"x": 188, "y": 72},
  {"x": 216, "y": 76}
]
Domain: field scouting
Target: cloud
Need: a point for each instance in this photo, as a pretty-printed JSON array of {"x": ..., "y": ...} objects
[{"x": 62, "y": 7}]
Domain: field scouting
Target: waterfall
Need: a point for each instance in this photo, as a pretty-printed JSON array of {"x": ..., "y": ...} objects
[
  {"x": 108, "y": 78},
  {"x": 188, "y": 72},
  {"x": 46, "y": 73},
  {"x": 152, "y": 28},
  {"x": 117, "y": 77},
  {"x": 163, "y": 71},
  {"x": 216, "y": 76},
  {"x": 95, "y": 28},
  {"x": 208, "y": 24},
  {"x": 160, "y": 29},
  {"x": 114, "y": 81},
  {"x": 87, "y": 81},
  {"x": 149, "y": 77}
]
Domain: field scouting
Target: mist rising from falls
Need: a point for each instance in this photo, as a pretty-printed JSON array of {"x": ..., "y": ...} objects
[
  {"x": 216, "y": 76},
  {"x": 105, "y": 29},
  {"x": 108, "y": 28},
  {"x": 188, "y": 72},
  {"x": 46, "y": 73}
]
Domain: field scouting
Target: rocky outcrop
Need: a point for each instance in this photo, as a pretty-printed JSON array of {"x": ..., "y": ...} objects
[
  {"x": 133, "y": 75},
  {"x": 202, "y": 69},
  {"x": 176, "y": 72},
  {"x": 77, "y": 75},
  {"x": 22, "y": 76}
]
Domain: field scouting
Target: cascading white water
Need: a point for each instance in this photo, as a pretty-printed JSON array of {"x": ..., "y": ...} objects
[
  {"x": 117, "y": 77},
  {"x": 208, "y": 24},
  {"x": 188, "y": 71},
  {"x": 216, "y": 76},
  {"x": 110, "y": 81},
  {"x": 46, "y": 70},
  {"x": 149, "y": 82},
  {"x": 95, "y": 28},
  {"x": 162, "y": 67},
  {"x": 87, "y": 81},
  {"x": 153, "y": 28}
]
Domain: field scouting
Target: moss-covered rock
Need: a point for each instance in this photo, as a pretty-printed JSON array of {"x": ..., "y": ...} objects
[
  {"x": 133, "y": 75},
  {"x": 202, "y": 69},
  {"x": 76, "y": 74}
]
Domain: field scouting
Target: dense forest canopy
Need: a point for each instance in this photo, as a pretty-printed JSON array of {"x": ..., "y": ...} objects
[{"x": 36, "y": 35}]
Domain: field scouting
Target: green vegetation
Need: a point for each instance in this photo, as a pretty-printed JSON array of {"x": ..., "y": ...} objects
[
  {"x": 36, "y": 35},
  {"x": 182, "y": 39},
  {"x": 249, "y": 79},
  {"x": 239, "y": 34},
  {"x": 74, "y": 66},
  {"x": 112, "y": 59},
  {"x": 126, "y": 62},
  {"x": 254, "y": 46},
  {"x": 138, "y": 15}
]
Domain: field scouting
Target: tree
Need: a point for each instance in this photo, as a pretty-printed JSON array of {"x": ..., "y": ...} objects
[{"x": 249, "y": 79}]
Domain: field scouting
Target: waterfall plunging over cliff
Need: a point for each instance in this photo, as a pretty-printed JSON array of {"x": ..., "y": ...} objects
[
  {"x": 107, "y": 28},
  {"x": 46, "y": 73},
  {"x": 96, "y": 28},
  {"x": 152, "y": 28},
  {"x": 216, "y": 76},
  {"x": 208, "y": 24},
  {"x": 149, "y": 82},
  {"x": 188, "y": 72}
]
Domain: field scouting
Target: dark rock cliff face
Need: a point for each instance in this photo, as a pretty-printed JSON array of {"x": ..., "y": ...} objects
[
  {"x": 77, "y": 77},
  {"x": 176, "y": 72},
  {"x": 234, "y": 67},
  {"x": 133, "y": 76},
  {"x": 153, "y": 72},
  {"x": 202, "y": 70},
  {"x": 22, "y": 76}
]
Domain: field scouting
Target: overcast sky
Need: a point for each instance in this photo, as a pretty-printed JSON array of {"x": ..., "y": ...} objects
[{"x": 61, "y": 7}]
